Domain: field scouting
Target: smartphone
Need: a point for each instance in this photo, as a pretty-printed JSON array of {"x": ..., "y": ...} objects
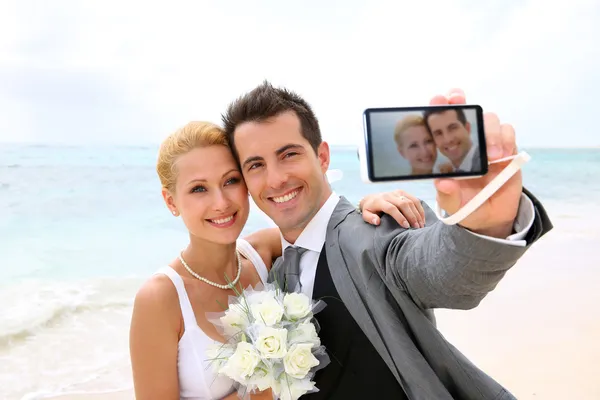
[{"x": 410, "y": 143}]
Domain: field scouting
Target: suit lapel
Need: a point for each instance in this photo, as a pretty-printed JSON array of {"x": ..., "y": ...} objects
[
  {"x": 346, "y": 287},
  {"x": 276, "y": 274}
]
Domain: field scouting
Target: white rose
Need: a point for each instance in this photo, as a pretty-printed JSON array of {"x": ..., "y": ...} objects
[
  {"x": 297, "y": 305},
  {"x": 289, "y": 388},
  {"x": 304, "y": 333},
  {"x": 299, "y": 360},
  {"x": 242, "y": 363},
  {"x": 262, "y": 378},
  {"x": 259, "y": 296},
  {"x": 272, "y": 342},
  {"x": 235, "y": 319},
  {"x": 268, "y": 312},
  {"x": 218, "y": 353}
]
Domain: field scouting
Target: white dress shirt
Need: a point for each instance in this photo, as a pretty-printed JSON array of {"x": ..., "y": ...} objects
[
  {"x": 312, "y": 237},
  {"x": 467, "y": 162}
]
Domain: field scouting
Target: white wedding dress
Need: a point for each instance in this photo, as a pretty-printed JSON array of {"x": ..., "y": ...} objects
[{"x": 196, "y": 378}]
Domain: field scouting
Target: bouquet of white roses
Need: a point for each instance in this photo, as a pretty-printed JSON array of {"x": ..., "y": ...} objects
[{"x": 271, "y": 342}]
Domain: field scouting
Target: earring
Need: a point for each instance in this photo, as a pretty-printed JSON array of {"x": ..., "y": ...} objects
[{"x": 174, "y": 213}]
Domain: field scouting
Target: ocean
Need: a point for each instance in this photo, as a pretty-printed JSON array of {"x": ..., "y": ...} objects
[{"x": 82, "y": 227}]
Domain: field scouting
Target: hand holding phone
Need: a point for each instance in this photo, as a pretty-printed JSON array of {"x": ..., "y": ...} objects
[
  {"x": 407, "y": 143},
  {"x": 496, "y": 216}
]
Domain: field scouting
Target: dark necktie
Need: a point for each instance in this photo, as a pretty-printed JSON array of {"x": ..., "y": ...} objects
[{"x": 291, "y": 268}]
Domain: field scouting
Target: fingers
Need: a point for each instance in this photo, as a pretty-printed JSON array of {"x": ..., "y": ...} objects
[
  {"x": 493, "y": 136},
  {"x": 416, "y": 219},
  {"x": 406, "y": 218},
  {"x": 509, "y": 142},
  {"x": 370, "y": 217},
  {"x": 407, "y": 205},
  {"x": 407, "y": 211},
  {"x": 454, "y": 96},
  {"x": 416, "y": 203},
  {"x": 438, "y": 100},
  {"x": 448, "y": 195}
]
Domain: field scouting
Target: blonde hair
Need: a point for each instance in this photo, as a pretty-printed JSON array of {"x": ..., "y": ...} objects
[
  {"x": 407, "y": 122},
  {"x": 193, "y": 135}
]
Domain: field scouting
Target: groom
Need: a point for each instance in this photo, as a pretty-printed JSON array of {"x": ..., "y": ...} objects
[{"x": 380, "y": 282}]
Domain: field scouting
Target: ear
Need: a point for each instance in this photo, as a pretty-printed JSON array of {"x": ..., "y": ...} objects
[
  {"x": 170, "y": 201},
  {"x": 324, "y": 157},
  {"x": 468, "y": 126}
]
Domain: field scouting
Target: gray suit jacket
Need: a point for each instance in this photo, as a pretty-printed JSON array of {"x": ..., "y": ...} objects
[{"x": 390, "y": 278}]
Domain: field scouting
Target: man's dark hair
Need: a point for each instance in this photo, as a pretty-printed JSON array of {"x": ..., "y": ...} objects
[
  {"x": 460, "y": 114},
  {"x": 266, "y": 101}
]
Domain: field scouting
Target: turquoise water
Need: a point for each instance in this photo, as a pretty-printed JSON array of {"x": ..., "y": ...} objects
[
  {"x": 82, "y": 227},
  {"x": 74, "y": 212}
]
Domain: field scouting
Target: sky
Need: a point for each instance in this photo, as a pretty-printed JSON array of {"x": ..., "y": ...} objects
[{"x": 131, "y": 72}]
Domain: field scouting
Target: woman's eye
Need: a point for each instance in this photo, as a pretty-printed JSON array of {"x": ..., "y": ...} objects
[
  {"x": 198, "y": 189},
  {"x": 232, "y": 181}
]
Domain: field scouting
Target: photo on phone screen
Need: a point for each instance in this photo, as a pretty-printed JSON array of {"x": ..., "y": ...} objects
[{"x": 425, "y": 142}]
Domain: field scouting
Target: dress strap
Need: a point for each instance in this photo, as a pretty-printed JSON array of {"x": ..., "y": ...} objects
[
  {"x": 189, "y": 318},
  {"x": 251, "y": 254}
]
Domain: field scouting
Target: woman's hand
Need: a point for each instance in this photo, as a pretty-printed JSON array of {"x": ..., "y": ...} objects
[
  {"x": 403, "y": 207},
  {"x": 264, "y": 395}
]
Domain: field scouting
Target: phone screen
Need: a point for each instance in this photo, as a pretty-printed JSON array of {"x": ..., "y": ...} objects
[{"x": 425, "y": 142}]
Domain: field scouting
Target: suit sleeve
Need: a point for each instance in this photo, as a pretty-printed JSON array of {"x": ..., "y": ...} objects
[{"x": 446, "y": 266}]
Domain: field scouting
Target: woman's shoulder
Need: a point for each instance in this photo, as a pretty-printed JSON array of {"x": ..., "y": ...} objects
[{"x": 156, "y": 293}]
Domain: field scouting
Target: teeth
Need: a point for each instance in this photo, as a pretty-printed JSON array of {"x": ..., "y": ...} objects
[
  {"x": 285, "y": 198},
  {"x": 222, "y": 220}
]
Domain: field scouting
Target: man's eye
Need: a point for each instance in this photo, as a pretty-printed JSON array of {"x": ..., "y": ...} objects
[{"x": 254, "y": 166}]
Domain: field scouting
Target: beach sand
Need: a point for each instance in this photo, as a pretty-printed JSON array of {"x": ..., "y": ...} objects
[
  {"x": 539, "y": 337},
  {"x": 538, "y": 332},
  {"x": 122, "y": 395}
]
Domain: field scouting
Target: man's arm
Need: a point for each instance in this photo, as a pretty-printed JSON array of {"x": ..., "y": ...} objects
[
  {"x": 267, "y": 243},
  {"x": 446, "y": 266}
]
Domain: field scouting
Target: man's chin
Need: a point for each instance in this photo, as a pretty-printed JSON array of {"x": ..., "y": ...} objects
[{"x": 287, "y": 223}]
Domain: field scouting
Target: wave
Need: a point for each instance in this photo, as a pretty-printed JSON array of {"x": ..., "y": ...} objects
[
  {"x": 54, "y": 316},
  {"x": 39, "y": 395},
  {"x": 37, "y": 306}
]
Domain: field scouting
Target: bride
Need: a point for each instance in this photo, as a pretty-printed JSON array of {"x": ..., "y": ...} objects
[{"x": 169, "y": 332}]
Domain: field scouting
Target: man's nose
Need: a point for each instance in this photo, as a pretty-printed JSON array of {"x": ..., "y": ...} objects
[
  {"x": 448, "y": 136},
  {"x": 276, "y": 178}
]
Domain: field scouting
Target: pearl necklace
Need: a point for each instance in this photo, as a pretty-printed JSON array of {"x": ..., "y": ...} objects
[{"x": 228, "y": 286}]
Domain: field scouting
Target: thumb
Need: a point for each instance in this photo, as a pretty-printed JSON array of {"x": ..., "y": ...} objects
[{"x": 448, "y": 195}]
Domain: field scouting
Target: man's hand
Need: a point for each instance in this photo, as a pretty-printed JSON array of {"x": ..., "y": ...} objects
[
  {"x": 403, "y": 207},
  {"x": 496, "y": 216}
]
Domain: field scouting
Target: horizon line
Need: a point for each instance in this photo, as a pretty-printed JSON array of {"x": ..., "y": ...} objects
[{"x": 342, "y": 145}]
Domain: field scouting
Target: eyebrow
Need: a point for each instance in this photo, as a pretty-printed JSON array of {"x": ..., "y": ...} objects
[
  {"x": 279, "y": 151},
  {"x": 204, "y": 180}
]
